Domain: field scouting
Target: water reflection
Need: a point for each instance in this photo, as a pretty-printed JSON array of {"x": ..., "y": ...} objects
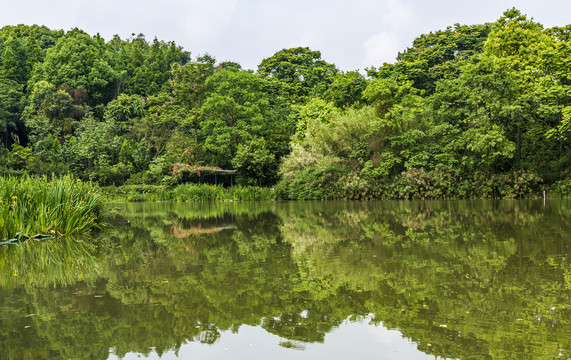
[{"x": 465, "y": 280}]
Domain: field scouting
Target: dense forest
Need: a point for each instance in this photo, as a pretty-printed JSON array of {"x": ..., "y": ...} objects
[{"x": 469, "y": 111}]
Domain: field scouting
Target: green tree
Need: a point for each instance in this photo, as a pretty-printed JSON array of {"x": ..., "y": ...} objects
[
  {"x": 254, "y": 163},
  {"x": 77, "y": 60},
  {"x": 48, "y": 111},
  {"x": 11, "y": 104},
  {"x": 94, "y": 144},
  {"x": 315, "y": 111},
  {"x": 436, "y": 56},
  {"x": 189, "y": 83},
  {"x": 13, "y": 63},
  {"x": 532, "y": 57},
  {"x": 346, "y": 89},
  {"x": 297, "y": 73},
  {"x": 125, "y": 107},
  {"x": 236, "y": 111},
  {"x": 144, "y": 68}
]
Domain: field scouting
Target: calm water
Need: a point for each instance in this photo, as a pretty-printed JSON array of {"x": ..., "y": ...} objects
[{"x": 304, "y": 280}]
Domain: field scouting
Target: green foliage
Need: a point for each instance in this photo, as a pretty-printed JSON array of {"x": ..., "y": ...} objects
[
  {"x": 491, "y": 146},
  {"x": 254, "y": 163},
  {"x": 435, "y": 56},
  {"x": 481, "y": 100},
  {"x": 386, "y": 163},
  {"x": 346, "y": 89},
  {"x": 298, "y": 73},
  {"x": 19, "y": 156},
  {"x": 125, "y": 107},
  {"x": 78, "y": 59},
  {"x": 385, "y": 93},
  {"x": 441, "y": 184},
  {"x": 191, "y": 89},
  {"x": 49, "y": 113},
  {"x": 561, "y": 189},
  {"x": 312, "y": 183},
  {"x": 515, "y": 185},
  {"x": 143, "y": 68},
  {"x": 11, "y": 105},
  {"x": 137, "y": 192},
  {"x": 188, "y": 192},
  {"x": 238, "y": 111},
  {"x": 94, "y": 142},
  {"x": 61, "y": 206},
  {"x": 315, "y": 111},
  {"x": 13, "y": 61},
  {"x": 206, "y": 192},
  {"x": 332, "y": 146}
]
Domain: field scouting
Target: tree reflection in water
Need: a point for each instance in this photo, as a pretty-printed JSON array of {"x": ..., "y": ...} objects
[{"x": 467, "y": 280}]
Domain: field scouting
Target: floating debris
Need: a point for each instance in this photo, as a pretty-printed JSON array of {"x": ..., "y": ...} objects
[{"x": 23, "y": 237}]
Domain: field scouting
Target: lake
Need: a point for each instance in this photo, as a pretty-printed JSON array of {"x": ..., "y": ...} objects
[{"x": 310, "y": 280}]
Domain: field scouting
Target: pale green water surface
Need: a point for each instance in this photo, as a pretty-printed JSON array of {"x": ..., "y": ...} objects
[{"x": 303, "y": 280}]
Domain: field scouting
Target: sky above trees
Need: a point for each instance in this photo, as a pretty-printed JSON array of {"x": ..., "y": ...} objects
[{"x": 351, "y": 34}]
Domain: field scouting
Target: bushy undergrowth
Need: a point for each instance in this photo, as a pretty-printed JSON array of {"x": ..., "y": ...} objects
[
  {"x": 30, "y": 206},
  {"x": 561, "y": 189},
  {"x": 313, "y": 183},
  {"x": 188, "y": 192},
  {"x": 206, "y": 192},
  {"x": 138, "y": 192}
]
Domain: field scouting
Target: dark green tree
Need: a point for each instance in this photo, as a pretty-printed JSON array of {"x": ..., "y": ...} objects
[
  {"x": 79, "y": 60},
  {"x": 11, "y": 105},
  {"x": 297, "y": 73}
]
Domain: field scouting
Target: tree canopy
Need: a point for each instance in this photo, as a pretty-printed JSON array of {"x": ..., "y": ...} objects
[{"x": 473, "y": 102}]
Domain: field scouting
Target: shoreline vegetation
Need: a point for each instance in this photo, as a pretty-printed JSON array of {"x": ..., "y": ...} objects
[
  {"x": 470, "y": 111},
  {"x": 187, "y": 192},
  {"x": 38, "y": 208},
  {"x": 415, "y": 186}
]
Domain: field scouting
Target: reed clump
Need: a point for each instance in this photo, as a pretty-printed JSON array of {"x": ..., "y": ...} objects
[{"x": 60, "y": 206}]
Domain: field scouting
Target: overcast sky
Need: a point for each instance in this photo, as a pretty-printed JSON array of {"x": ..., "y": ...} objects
[{"x": 353, "y": 34}]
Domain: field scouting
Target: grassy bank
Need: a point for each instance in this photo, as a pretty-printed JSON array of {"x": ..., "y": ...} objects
[
  {"x": 187, "y": 192},
  {"x": 60, "y": 206}
]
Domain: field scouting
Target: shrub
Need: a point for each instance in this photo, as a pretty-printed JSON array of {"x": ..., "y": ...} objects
[
  {"x": 514, "y": 185},
  {"x": 561, "y": 188},
  {"x": 422, "y": 184}
]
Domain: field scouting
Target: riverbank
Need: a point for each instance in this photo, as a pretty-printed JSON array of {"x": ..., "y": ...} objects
[{"x": 412, "y": 185}]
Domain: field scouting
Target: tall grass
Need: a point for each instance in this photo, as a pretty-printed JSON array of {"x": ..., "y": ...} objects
[
  {"x": 30, "y": 206},
  {"x": 137, "y": 193},
  {"x": 188, "y": 192},
  {"x": 205, "y": 192}
]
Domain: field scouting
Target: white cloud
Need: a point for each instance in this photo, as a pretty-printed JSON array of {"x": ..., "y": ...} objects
[
  {"x": 400, "y": 15},
  {"x": 380, "y": 48},
  {"x": 384, "y": 45}
]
